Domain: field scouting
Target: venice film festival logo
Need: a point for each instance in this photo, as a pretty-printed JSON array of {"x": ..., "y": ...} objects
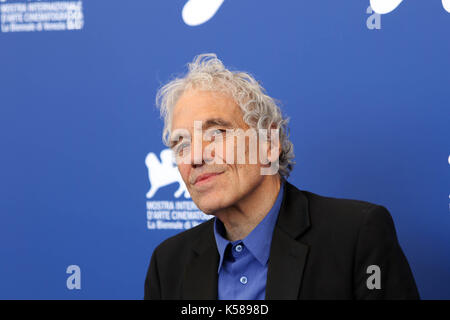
[
  {"x": 386, "y": 6},
  {"x": 197, "y": 12},
  {"x": 176, "y": 212}
]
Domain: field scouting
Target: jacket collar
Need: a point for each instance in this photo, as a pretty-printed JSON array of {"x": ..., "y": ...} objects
[
  {"x": 294, "y": 217},
  {"x": 200, "y": 278},
  {"x": 287, "y": 255}
]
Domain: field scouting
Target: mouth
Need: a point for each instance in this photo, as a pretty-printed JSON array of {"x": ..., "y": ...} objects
[{"x": 206, "y": 177}]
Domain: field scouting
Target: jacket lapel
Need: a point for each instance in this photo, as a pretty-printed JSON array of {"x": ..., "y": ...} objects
[
  {"x": 287, "y": 255},
  {"x": 200, "y": 278}
]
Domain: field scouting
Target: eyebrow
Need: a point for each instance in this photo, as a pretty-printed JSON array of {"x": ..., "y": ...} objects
[
  {"x": 216, "y": 122},
  {"x": 208, "y": 123}
]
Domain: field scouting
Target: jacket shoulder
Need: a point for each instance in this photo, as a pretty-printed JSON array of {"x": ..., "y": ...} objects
[
  {"x": 340, "y": 215},
  {"x": 342, "y": 207}
]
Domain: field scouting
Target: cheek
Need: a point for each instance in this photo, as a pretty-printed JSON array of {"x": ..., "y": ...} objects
[
  {"x": 184, "y": 171},
  {"x": 232, "y": 152},
  {"x": 248, "y": 175}
]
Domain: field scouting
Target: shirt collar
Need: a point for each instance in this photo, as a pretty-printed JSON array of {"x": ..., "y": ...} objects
[
  {"x": 259, "y": 240},
  {"x": 221, "y": 242}
]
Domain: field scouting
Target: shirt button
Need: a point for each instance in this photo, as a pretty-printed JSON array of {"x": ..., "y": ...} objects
[
  {"x": 238, "y": 248},
  {"x": 243, "y": 280}
]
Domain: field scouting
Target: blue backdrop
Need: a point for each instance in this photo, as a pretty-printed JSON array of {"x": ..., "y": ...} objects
[{"x": 368, "y": 97}]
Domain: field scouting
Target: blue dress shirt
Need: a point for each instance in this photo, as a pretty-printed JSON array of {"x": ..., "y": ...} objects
[{"x": 243, "y": 263}]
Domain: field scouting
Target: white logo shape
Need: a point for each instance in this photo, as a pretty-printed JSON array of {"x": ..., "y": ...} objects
[
  {"x": 386, "y": 6},
  {"x": 446, "y": 5},
  {"x": 164, "y": 172},
  {"x": 196, "y": 12}
]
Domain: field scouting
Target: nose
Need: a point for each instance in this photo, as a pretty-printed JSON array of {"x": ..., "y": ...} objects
[
  {"x": 198, "y": 155},
  {"x": 199, "y": 143}
]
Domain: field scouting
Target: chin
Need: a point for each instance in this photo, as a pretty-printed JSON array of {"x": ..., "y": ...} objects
[
  {"x": 210, "y": 204},
  {"x": 208, "y": 208}
]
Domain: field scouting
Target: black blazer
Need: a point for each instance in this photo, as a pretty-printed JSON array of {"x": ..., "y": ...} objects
[{"x": 321, "y": 248}]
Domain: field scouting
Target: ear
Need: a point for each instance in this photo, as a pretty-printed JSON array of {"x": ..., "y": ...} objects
[
  {"x": 274, "y": 144},
  {"x": 270, "y": 150}
]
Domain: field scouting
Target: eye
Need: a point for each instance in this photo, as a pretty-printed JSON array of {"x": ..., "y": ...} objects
[
  {"x": 182, "y": 149},
  {"x": 216, "y": 133}
]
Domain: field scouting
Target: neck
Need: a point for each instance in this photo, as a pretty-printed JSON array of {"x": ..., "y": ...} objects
[{"x": 241, "y": 218}]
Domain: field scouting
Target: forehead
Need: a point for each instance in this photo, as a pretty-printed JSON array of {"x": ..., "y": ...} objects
[{"x": 196, "y": 105}]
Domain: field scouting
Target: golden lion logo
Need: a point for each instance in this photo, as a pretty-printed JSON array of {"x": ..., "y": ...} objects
[{"x": 164, "y": 172}]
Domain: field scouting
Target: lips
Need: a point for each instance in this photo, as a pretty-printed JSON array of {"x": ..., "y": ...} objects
[{"x": 206, "y": 176}]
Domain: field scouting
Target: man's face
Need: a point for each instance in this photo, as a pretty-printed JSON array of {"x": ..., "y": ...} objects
[{"x": 212, "y": 186}]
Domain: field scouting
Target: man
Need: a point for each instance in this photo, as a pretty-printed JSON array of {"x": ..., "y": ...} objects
[{"x": 268, "y": 239}]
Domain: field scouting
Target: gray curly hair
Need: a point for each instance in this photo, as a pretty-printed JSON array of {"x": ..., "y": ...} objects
[{"x": 207, "y": 72}]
